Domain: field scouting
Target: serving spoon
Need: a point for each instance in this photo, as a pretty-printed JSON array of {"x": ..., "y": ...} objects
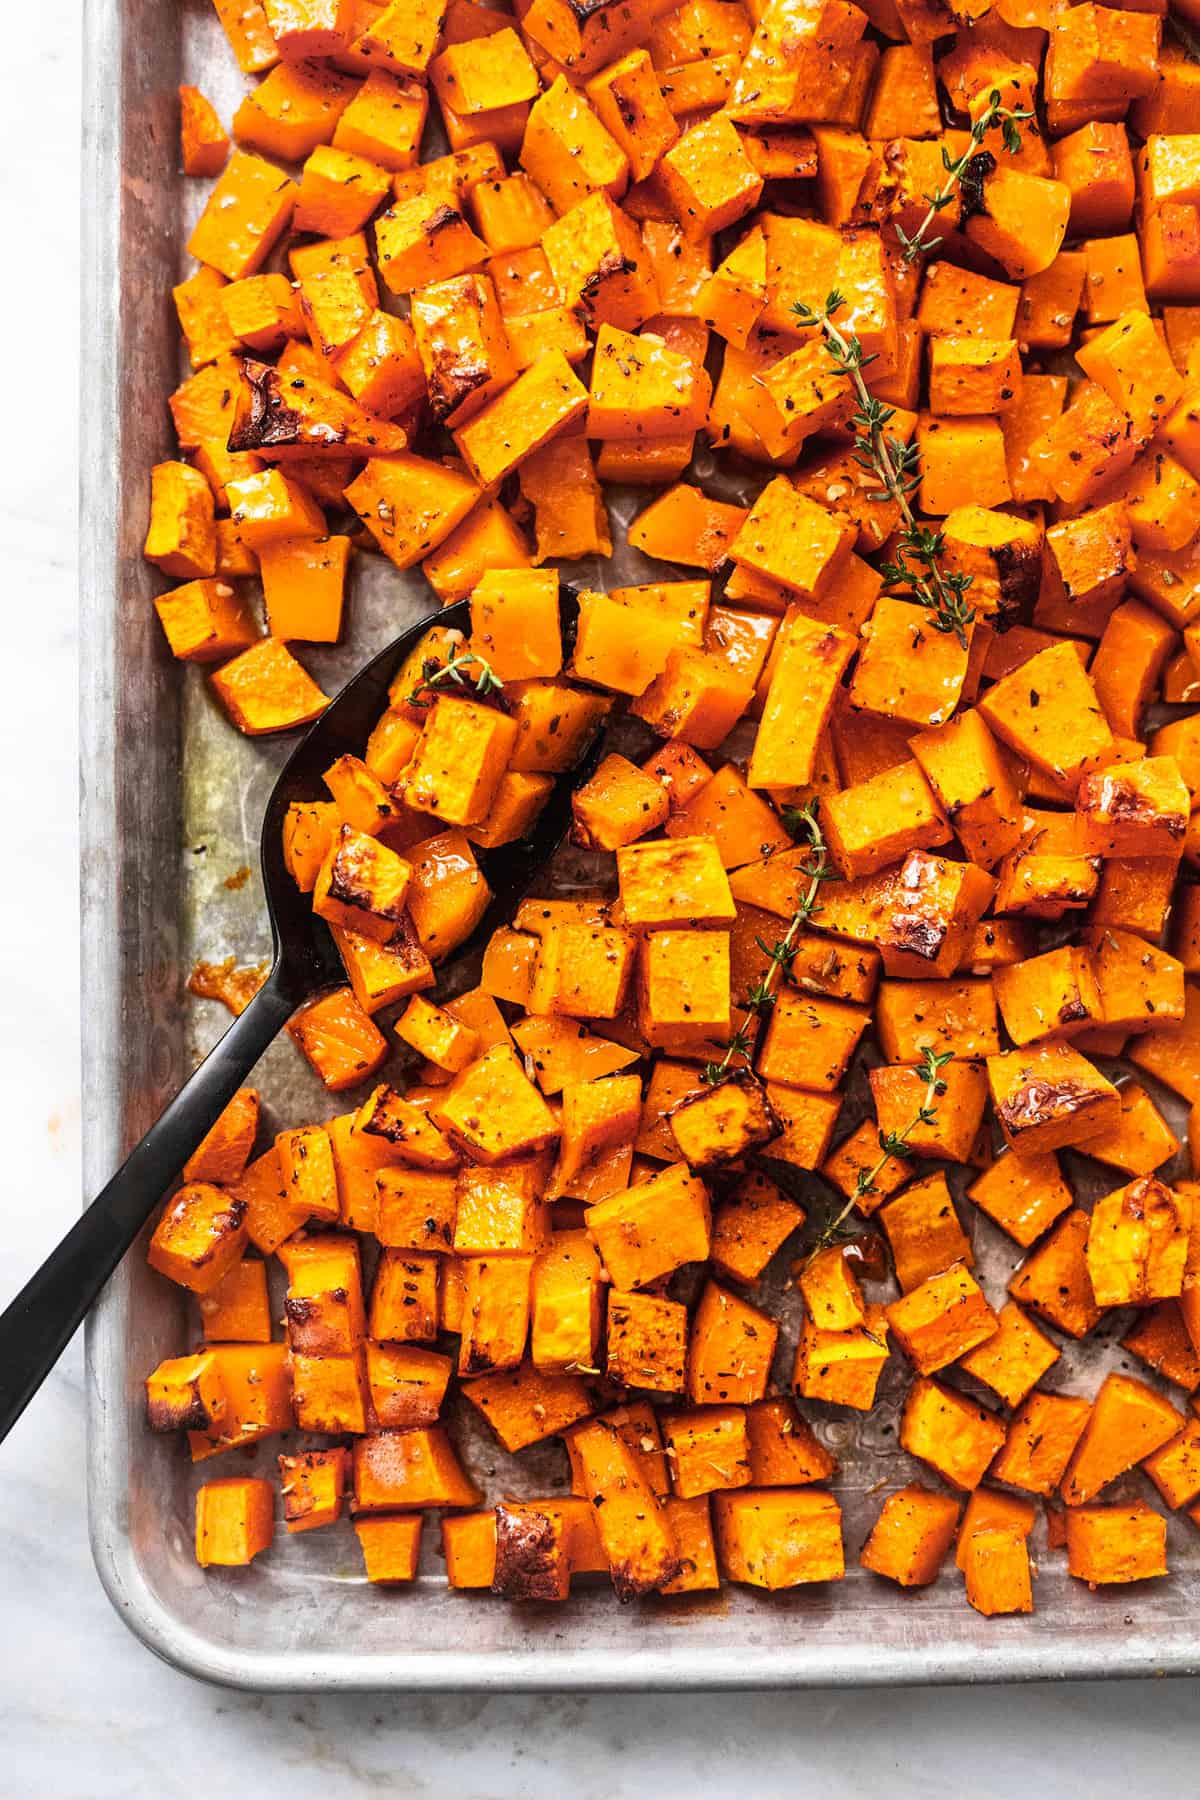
[{"x": 37, "y": 1326}]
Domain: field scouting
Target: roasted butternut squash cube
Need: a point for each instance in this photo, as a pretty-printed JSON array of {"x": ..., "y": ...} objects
[
  {"x": 423, "y": 239},
  {"x": 265, "y": 689},
  {"x": 1128, "y": 1421},
  {"x": 540, "y": 403},
  {"x": 942, "y": 1319},
  {"x": 1048, "y": 712},
  {"x": 361, "y": 885},
  {"x": 680, "y": 881},
  {"x": 237, "y": 1309},
  {"x": 235, "y": 1521},
  {"x": 495, "y": 1322},
  {"x": 636, "y": 1534},
  {"x": 643, "y": 389},
  {"x": 783, "y": 1449},
  {"x": 723, "y": 1123},
  {"x": 906, "y": 670},
  {"x": 790, "y": 539},
  {"x": 1014, "y": 1358},
  {"x": 1041, "y": 1440},
  {"x": 924, "y": 1232},
  {"x": 582, "y": 971},
  {"x": 409, "y": 1470},
  {"x": 954, "y": 1435},
  {"x": 417, "y": 1208},
  {"x": 683, "y": 987},
  {"x": 515, "y": 623},
  {"x": 181, "y": 539},
  {"x": 1137, "y": 1246},
  {"x": 1175, "y": 1469},
  {"x": 498, "y": 1210},
  {"x": 958, "y": 1107},
  {"x": 1052, "y": 995},
  {"x": 313, "y": 1487},
  {"x": 698, "y": 698},
  {"x": 1108, "y": 1544},
  {"x": 458, "y": 761},
  {"x": 912, "y": 1535},
  {"x": 186, "y": 1393},
  {"x": 973, "y": 783},
  {"x": 877, "y": 822},
  {"x": 618, "y": 647},
  {"x": 913, "y": 1017},
  {"x": 842, "y": 1367},
  {"x": 410, "y": 505},
  {"x": 1136, "y": 809},
  {"x": 1054, "y": 1281},
  {"x": 618, "y": 805},
  {"x": 809, "y": 1042},
  {"x": 494, "y": 1110},
  {"x": 751, "y": 1225},
  {"x": 199, "y": 1237},
  {"x": 708, "y": 178},
  {"x": 448, "y": 895},
  {"x": 323, "y": 1307},
  {"x": 555, "y": 723},
  {"x": 647, "y": 1341},
  {"x": 707, "y": 1449},
  {"x": 565, "y": 1303},
  {"x": 777, "y": 1538},
  {"x": 412, "y": 1138},
  {"x": 245, "y": 215},
  {"x": 653, "y": 1227},
  {"x": 462, "y": 344},
  {"x": 969, "y": 375},
  {"x": 730, "y": 1351},
  {"x": 404, "y": 1300},
  {"x": 1049, "y": 1096}
]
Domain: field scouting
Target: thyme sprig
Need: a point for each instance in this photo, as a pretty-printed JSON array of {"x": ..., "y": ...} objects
[
  {"x": 1009, "y": 119},
  {"x": 435, "y": 675},
  {"x": 803, "y": 822},
  {"x": 895, "y": 464},
  {"x": 892, "y": 1145}
]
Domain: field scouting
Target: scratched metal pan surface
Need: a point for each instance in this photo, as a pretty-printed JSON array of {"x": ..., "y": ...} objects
[{"x": 171, "y": 803}]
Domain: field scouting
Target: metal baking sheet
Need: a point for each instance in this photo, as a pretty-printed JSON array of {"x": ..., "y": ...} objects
[{"x": 171, "y": 803}]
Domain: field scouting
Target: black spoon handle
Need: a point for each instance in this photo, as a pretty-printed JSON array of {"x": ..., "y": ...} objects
[{"x": 39, "y": 1324}]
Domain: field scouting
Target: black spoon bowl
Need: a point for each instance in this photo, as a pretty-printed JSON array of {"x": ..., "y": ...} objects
[{"x": 37, "y": 1326}]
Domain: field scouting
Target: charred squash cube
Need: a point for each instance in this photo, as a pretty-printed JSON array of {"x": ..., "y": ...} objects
[
  {"x": 313, "y": 1487},
  {"x": 186, "y": 1393},
  {"x": 723, "y": 1123},
  {"x": 362, "y": 885},
  {"x": 201, "y": 1234},
  {"x": 1049, "y": 1096},
  {"x": 1134, "y": 809}
]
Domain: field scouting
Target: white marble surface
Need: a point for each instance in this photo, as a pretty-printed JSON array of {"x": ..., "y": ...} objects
[{"x": 84, "y": 1710}]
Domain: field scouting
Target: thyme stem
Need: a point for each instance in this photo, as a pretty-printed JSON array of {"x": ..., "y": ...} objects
[
  {"x": 761, "y": 996},
  {"x": 892, "y": 1144},
  {"x": 435, "y": 675},
  {"x": 1009, "y": 119}
]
